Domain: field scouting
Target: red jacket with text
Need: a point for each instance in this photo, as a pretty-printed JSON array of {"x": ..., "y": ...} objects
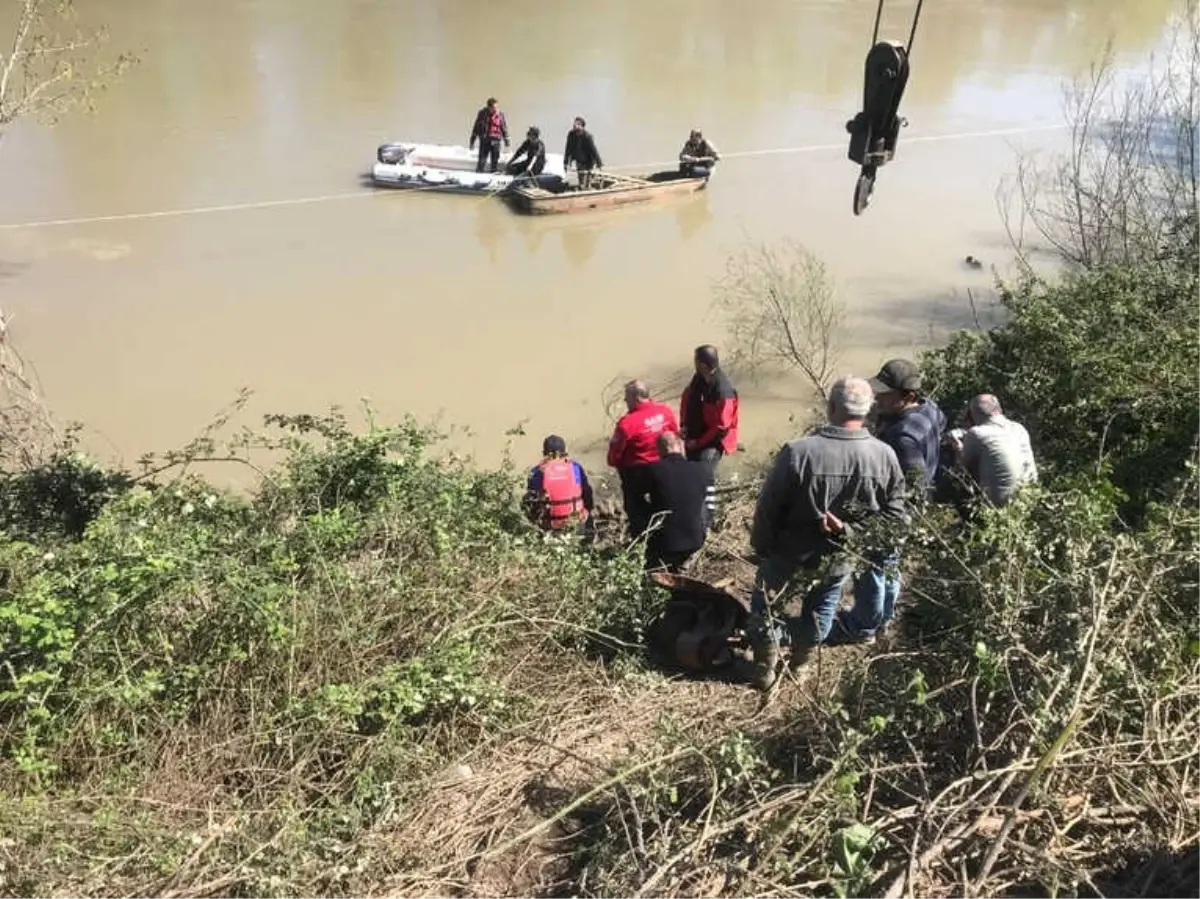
[
  {"x": 709, "y": 413},
  {"x": 635, "y": 441}
]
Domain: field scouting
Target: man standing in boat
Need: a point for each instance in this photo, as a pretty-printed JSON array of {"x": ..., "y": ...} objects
[
  {"x": 581, "y": 150},
  {"x": 698, "y": 156},
  {"x": 534, "y": 151},
  {"x": 491, "y": 127}
]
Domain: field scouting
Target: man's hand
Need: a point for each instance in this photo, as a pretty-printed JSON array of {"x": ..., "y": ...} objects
[
  {"x": 831, "y": 524},
  {"x": 506, "y": 143}
]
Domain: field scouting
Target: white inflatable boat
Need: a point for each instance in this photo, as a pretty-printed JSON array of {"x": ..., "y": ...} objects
[{"x": 445, "y": 168}]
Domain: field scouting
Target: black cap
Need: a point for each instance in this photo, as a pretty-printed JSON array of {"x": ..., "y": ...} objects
[
  {"x": 554, "y": 444},
  {"x": 534, "y": 131},
  {"x": 897, "y": 374}
]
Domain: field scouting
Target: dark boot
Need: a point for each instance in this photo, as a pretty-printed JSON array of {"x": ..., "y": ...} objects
[{"x": 766, "y": 652}]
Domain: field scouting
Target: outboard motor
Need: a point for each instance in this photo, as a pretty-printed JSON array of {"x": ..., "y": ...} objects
[{"x": 391, "y": 154}]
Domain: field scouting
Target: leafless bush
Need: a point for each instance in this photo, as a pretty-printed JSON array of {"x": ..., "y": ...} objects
[
  {"x": 1127, "y": 186},
  {"x": 782, "y": 312},
  {"x": 51, "y": 64},
  {"x": 29, "y": 434}
]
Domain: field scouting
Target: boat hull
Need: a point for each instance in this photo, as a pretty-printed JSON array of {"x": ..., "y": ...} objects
[
  {"x": 616, "y": 190},
  {"x": 448, "y": 169}
]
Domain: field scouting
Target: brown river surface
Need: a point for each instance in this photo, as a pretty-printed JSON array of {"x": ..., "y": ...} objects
[{"x": 205, "y": 228}]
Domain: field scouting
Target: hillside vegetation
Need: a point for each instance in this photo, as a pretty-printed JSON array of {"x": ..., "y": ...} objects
[
  {"x": 372, "y": 677},
  {"x": 204, "y": 693}
]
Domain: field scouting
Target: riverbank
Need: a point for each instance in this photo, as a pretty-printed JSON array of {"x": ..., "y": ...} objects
[{"x": 369, "y": 677}]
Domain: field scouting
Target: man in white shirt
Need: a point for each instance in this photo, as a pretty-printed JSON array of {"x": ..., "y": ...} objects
[{"x": 995, "y": 451}]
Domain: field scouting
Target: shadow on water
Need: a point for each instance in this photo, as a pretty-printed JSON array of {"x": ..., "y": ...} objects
[
  {"x": 9, "y": 270},
  {"x": 580, "y": 233},
  {"x": 913, "y": 321}
]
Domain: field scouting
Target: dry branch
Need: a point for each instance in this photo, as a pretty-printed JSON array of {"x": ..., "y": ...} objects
[
  {"x": 50, "y": 64},
  {"x": 782, "y": 312}
]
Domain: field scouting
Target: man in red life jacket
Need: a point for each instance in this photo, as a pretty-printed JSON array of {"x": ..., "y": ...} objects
[
  {"x": 634, "y": 445},
  {"x": 558, "y": 496},
  {"x": 708, "y": 411},
  {"x": 490, "y": 128}
]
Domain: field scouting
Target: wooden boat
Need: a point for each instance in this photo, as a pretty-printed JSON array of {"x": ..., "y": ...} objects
[
  {"x": 607, "y": 190},
  {"x": 449, "y": 169}
]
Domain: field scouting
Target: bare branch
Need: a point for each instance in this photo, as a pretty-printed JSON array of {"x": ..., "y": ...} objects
[
  {"x": 782, "y": 311},
  {"x": 47, "y": 72},
  {"x": 1127, "y": 186}
]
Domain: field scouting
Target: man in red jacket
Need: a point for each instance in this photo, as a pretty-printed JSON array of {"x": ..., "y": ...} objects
[
  {"x": 634, "y": 445},
  {"x": 709, "y": 411}
]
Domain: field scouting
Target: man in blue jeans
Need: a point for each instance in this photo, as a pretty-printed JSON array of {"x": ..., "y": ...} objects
[
  {"x": 912, "y": 425},
  {"x": 839, "y": 482}
]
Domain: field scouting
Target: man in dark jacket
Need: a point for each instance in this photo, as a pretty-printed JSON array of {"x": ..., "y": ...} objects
[
  {"x": 678, "y": 495},
  {"x": 698, "y": 156},
  {"x": 489, "y": 129},
  {"x": 708, "y": 411},
  {"x": 821, "y": 489},
  {"x": 534, "y": 151},
  {"x": 914, "y": 427},
  {"x": 581, "y": 150},
  {"x": 909, "y": 423}
]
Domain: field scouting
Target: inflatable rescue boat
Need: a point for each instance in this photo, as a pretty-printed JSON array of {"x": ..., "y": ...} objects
[{"x": 446, "y": 168}]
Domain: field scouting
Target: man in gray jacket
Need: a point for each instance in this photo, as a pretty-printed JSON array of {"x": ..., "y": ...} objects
[{"x": 821, "y": 490}]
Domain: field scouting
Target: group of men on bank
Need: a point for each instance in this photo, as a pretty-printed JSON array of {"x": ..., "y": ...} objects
[
  {"x": 490, "y": 130},
  {"x": 667, "y": 472},
  {"x": 885, "y": 444}
]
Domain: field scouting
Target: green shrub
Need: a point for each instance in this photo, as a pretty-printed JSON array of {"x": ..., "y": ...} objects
[
  {"x": 351, "y": 619},
  {"x": 1101, "y": 367}
]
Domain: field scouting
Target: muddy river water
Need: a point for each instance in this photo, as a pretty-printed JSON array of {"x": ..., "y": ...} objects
[{"x": 205, "y": 228}]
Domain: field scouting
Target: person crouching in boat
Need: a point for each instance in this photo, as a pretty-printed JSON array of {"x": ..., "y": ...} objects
[
  {"x": 558, "y": 496},
  {"x": 490, "y": 128},
  {"x": 581, "y": 150},
  {"x": 534, "y": 151},
  {"x": 698, "y": 156}
]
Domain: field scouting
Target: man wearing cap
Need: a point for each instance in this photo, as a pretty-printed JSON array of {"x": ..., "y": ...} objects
[
  {"x": 534, "y": 151},
  {"x": 909, "y": 423},
  {"x": 914, "y": 427},
  {"x": 835, "y": 482},
  {"x": 633, "y": 446},
  {"x": 558, "y": 497}
]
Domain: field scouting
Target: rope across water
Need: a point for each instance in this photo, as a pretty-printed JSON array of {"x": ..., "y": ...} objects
[{"x": 371, "y": 192}]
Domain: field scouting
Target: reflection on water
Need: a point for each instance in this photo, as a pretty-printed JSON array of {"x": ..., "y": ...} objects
[
  {"x": 142, "y": 327},
  {"x": 693, "y": 215},
  {"x": 579, "y": 244}
]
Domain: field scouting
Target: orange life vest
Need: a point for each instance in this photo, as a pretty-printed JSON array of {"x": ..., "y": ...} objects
[{"x": 561, "y": 493}]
